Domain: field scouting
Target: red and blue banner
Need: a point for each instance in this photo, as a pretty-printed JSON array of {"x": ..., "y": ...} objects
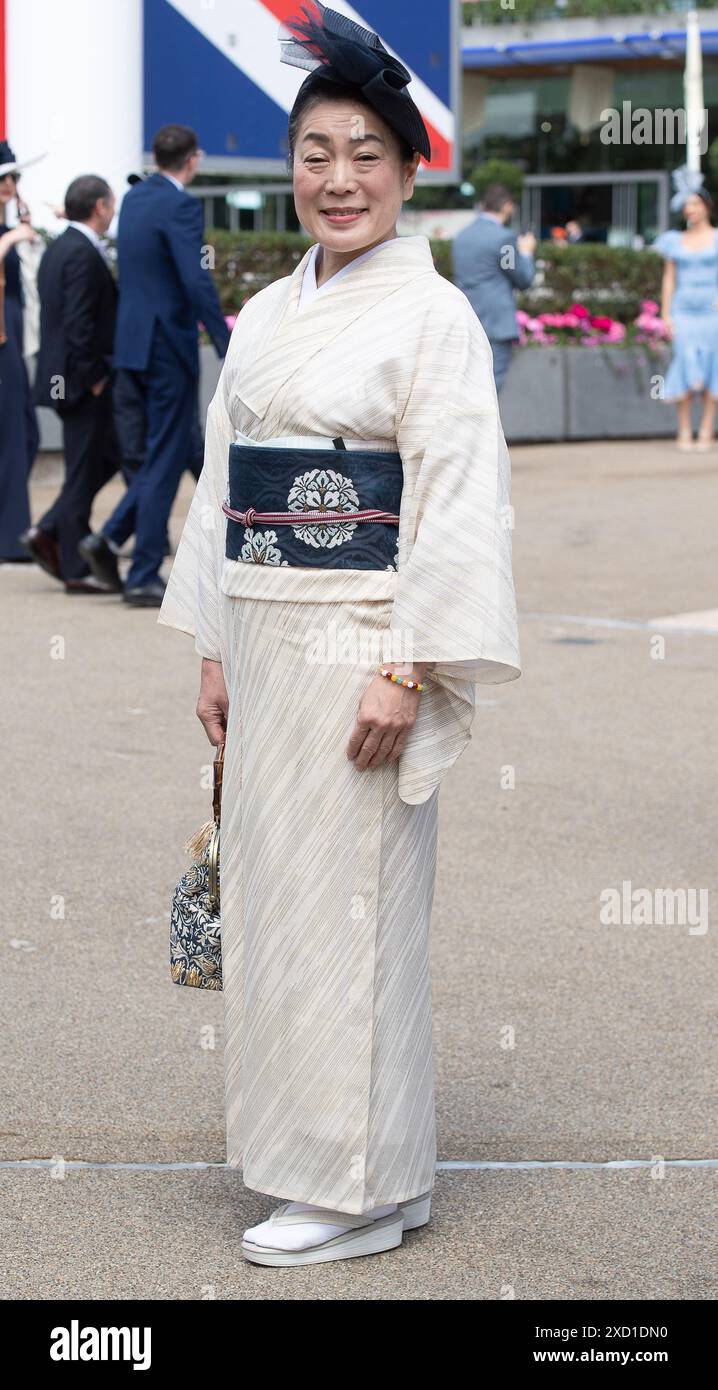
[
  {"x": 3, "y": 74},
  {"x": 216, "y": 66}
]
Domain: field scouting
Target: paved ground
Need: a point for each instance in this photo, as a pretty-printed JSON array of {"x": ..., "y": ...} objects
[{"x": 613, "y": 742}]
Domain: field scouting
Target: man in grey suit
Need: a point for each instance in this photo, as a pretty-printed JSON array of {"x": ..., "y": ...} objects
[{"x": 490, "y": 261}]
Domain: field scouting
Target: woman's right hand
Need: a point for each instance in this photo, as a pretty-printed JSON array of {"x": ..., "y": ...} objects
[
  {"x": 213, "y": 702},
  {"x": 668, "y": 325}
]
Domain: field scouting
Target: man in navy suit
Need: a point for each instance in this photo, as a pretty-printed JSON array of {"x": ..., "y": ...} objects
[
  {"x": 490, "y": 261},
  {"x": 74, "y": 375},
  {"x": 165, "y": 290}
]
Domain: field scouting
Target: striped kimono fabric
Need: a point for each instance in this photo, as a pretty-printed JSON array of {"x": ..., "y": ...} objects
[{"x": 328, "y": 872}]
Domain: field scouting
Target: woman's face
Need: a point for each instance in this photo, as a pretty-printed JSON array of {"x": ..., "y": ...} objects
[
  {"x": 695, "y": 210},
  {"x": 349, "y": 180},
  {"x": 7, "y": 189}
]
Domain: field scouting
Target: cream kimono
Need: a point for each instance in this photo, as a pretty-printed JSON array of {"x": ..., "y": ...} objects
[{"x": 328, "y": 871}]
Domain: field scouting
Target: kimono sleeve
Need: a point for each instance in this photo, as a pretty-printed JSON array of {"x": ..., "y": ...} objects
[
  {"x": 192, "y": 598},
  {"x": 455, "y": 605}
]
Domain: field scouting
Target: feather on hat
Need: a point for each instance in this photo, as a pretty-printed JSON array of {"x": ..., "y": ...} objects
[{"x": 336, "y": 49}]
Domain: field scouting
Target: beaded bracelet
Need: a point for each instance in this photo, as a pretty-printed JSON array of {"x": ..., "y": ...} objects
[{"x": 401, "y": 680}]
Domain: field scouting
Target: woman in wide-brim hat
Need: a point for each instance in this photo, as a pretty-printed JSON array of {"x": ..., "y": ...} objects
[
  {"x": 19, "y": 436},
  {"x": 345, "y": 570}
]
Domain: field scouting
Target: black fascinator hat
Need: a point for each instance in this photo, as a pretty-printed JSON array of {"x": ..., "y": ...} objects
[{"x": 335, "y": 49}]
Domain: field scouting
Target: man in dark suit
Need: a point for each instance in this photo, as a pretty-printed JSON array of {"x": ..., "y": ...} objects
[
  {"x": 489, "y": 262},
  {"x": 165, "y": 290},
  {"x": 78, "y": 301}
]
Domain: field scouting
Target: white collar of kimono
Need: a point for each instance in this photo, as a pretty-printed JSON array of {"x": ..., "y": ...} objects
[
  {"x": 288, "y": 339},
  {"x": 310, "y": 288}
]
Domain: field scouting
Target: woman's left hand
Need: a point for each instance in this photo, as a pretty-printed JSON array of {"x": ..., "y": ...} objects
[{"x": 385, "y": 718}]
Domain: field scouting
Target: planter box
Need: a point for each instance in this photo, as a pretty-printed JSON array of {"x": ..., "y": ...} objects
[
  {"x": 533, "y": 398},
  {"x": 586, "y": 393},
  {"x": 210, "y": 366},
  {"x": 608, "y": 394}
]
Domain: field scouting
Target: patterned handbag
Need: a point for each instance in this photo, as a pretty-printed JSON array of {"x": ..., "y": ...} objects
[{"x": 195, "y": 946}]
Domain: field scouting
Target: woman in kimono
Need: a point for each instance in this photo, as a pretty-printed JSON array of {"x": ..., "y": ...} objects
[{"x": 360, "y": 385}]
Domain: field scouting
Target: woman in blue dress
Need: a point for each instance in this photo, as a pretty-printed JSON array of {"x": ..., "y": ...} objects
[
  {"x": 689, "y": 308},
  {"x": 18, "y": 425}
]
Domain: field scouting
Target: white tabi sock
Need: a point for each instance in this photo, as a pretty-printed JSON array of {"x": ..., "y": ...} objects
[{"x": 305, "y": 1233}]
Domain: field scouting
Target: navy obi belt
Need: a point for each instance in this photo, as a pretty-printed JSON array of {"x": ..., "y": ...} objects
[{"x": 325, "y": 508}]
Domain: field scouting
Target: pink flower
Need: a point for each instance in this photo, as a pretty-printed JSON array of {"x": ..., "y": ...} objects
[
  {"x": 576, "y": 325},
  {"x": 230, "y": 320},
  {"x": 651, "y": 325}
]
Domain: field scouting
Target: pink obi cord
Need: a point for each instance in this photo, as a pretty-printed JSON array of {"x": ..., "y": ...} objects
[{"x": 250, "y": 517}]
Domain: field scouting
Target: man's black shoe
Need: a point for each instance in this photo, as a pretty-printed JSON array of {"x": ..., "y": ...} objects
[
  {"x": 102, "y": 560},
  {"x": 146, "y": 596},
  {"x": 43, "y": 549}
]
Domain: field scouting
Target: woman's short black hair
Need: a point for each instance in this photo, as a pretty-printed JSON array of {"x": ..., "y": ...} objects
[{"x": 324, "y": 90}]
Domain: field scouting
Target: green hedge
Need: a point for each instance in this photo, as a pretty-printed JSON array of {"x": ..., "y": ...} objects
[
  {"x": 608, "y": 280},
  {"x": 246, "y": 262}
]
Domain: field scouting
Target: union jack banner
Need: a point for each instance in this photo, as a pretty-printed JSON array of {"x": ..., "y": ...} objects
[{"x": 215, "y": 65}]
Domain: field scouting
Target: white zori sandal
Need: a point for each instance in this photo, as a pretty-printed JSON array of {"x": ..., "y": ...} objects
[
  {"x": 347, "y": 1234},
  {"x": 416, "y": 1211}
]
